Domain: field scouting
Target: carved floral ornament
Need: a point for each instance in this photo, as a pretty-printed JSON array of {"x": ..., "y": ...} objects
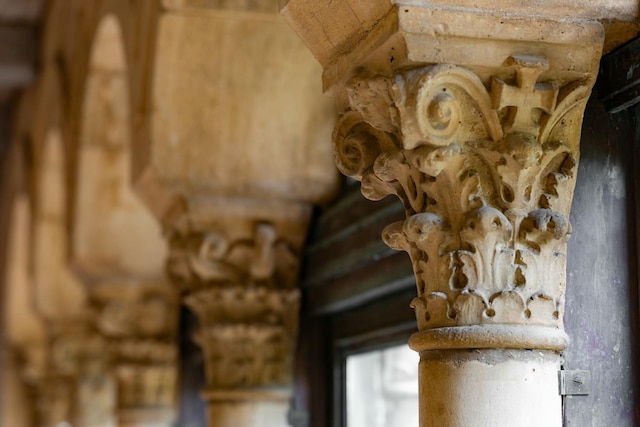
[
  {"x": 259, "y": 258},
  {"x": 486, "y": 173},
  {"x": 239, "y": 269}
]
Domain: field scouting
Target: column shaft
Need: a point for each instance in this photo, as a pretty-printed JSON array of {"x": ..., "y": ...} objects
[
  {"x": 472, "y": 119},
  {"x": 236, "y": 261}
]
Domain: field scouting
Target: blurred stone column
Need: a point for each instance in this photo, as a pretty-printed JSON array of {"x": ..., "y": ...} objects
[
  {"x": 138, "y": 321},
  {"x": 235, "y": 161},
  {"x": 236, "y": 261},
  {"x": 80, "y": 388}
]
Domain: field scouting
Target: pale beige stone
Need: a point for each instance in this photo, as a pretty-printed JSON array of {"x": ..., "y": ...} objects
[
  {"x": 251, "y": 125},
  {"x": 24, "y": 327},
  {"x": 81, "y": 389},
  {"x": 15, "y": 404},
  {"x": 237, "y": 261},
  {"x": 331, "y": 28},
  {"x": 242, "y": 148},
  {"x": 129, "y": 70},
  {"x": 114, "y": 234},
  {"x": 262, "y": 410},
  {"x": 458, "y": 384},
  {"x": 139, "y": 322},
  {"x": 58, "y": 293},
  {"x": 213, "y": 109},
  {"x": 260, "y": 6}
]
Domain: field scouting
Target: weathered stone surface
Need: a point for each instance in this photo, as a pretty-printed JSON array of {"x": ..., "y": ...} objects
[
  {"x": 330, "y": 29},
  {"x": 237, "y": 261},
  {"x": 472, "y": 119},
  {"x": 486, "y": 175},
  {"x": 83, "y": 391}
]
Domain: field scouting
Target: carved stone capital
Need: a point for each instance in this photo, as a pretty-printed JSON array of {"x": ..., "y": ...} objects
[
  {"x": 139, "y": 320},
  {"x": 80, "y": 365},
  {"x": 78, "y": 350},
  {"x": 470, "y": 113},
  {"x": 238, "y": 261},
  {"x": 136, "y": 311},
  {"x": 225, "y": 242},
  {"x": 147, "y": 385},
  {"x": 485, "y": 165}
]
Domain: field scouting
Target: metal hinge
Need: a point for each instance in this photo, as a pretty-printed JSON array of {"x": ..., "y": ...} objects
[{"x": 574, "y": 383}]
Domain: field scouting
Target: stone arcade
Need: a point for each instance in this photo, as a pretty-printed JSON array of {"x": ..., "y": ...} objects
[{"x": 172, "y": 156}]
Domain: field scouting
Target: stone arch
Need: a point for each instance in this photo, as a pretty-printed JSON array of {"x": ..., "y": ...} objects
[
  {"x": 24, "y": 327},
  {"x": 114, "y": 236},
  {"x": 57, "y": 291},
  {"x": 26, "y": 352}
]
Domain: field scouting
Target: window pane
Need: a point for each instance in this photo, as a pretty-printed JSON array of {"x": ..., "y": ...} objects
[{"x": 382, "y": 388}]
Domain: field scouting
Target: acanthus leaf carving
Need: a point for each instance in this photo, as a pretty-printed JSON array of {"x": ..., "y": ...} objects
[
  {"x": 246, "y": 355},
  {"x": 485, "y": 171},
  {"x": 143, "y": 385}
]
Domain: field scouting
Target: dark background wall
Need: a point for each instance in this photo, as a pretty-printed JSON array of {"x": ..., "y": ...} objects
[{"x": 602, "y": 299}]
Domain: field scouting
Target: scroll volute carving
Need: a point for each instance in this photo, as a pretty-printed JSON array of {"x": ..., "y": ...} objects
[
  {"x": 486, "y": 171},
  {"x": 239, "y": 267}
]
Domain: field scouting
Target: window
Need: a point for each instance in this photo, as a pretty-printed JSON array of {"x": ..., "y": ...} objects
[
  {"x": 356, "y": 317},
  {"x": 382, "y": 388}
]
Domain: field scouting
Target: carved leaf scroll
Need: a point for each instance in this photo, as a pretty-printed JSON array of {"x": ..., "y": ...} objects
[{"x": 486, "y": 177}]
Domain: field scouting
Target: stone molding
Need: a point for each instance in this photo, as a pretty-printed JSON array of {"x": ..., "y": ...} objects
[
  {"x": 248, "y": 395},
  {"x": 485, "y": 165},
  {"x": 247, "y": 6},
  {"x": 237, "y": 260}
]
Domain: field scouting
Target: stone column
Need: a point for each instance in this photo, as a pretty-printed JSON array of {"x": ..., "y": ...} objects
[
  {"x": 472, "y": 119},
  {"x": 231, "y": 171},
  {"x": 236, "y": 261},
  {"x": 82, "y": 390},
  {"x": 139, "y": 322}
]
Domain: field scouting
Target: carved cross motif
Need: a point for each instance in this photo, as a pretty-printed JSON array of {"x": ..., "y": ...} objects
[
  {"x": 527, "y": 95},
  {"x": 486, "y": 213}
]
